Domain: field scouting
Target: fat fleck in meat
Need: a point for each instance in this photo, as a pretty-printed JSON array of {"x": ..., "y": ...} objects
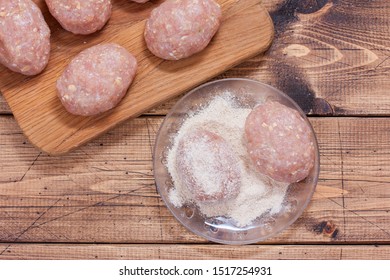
[
  {"x": 80, "y": 16},
  {"x": 180, "y": 28},
  {"x": 279, "y": 142},
  {"x": 96, "y": 79},
  {"x": 24, "y": 37}
]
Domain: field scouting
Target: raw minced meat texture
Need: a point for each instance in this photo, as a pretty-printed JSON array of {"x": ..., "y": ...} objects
[
  {"x": 96, "y": 79},
  {"x": 81, "y": 16},
  {"x": 24, "y": 37},
  {"x": 180, "y": 28},
  {"x": 279, "y": 142}
]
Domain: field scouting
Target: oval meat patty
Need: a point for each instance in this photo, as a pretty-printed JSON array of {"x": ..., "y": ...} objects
[
  {"x": 207, "y": 166},
  {"x": 24, "y": 37},
  {"x": 279, "y": 142},
  {"x": 180, "y": 28},
  {"x": 80, "y": 16},
  {"x": 96, "y": 79}
]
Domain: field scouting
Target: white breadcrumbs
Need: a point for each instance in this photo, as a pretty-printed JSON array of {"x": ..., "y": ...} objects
[{"x": 258, "y": 194}]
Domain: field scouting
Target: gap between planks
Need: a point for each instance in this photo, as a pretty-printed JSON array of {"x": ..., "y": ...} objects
[{"x": 105, "y": 192}]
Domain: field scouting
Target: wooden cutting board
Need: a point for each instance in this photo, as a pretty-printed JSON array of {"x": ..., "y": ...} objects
[{"x": 246, "y": 30}]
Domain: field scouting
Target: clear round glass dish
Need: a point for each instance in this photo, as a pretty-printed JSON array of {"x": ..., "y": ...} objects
[{"x": 249, "y": 93}]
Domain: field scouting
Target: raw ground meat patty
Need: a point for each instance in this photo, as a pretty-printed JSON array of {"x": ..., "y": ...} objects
[
  {"x": 279, "y": 142},
  {"x": 80, "y": 16},
  {"x": 180, "y": 28},
  {"x": 207, "y": 166},
  {"x": 24, "y": 37},
  {"x": 96, "y": 79}
]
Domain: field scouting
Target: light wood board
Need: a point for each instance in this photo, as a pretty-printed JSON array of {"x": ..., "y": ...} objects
[
  {"x": 331, "y": 57},
  {"x": 246, "y": 30}
]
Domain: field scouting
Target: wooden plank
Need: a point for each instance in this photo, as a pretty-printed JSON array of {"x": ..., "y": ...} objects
[
  {"x": 246, "y": 31},
  {"x": 162, "y": 109},
  {"x": 104, "y": 191},
  {"x": 193, "y": 252},
  {"x": 330, "y": 56}
]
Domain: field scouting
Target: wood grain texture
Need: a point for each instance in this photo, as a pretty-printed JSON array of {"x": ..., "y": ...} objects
[
  {"x": 192, "y": 252},
  {"x": 104, "y": 192},
  {"x": 246, "y": 30},
  {"x": 4, "y": 108},
  {"x": 331, "y": 57},
  {"x": 323, "y": 56}
]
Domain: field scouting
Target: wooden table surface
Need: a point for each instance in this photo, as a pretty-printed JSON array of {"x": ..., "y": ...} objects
[{"x": 100, "y": 201}]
